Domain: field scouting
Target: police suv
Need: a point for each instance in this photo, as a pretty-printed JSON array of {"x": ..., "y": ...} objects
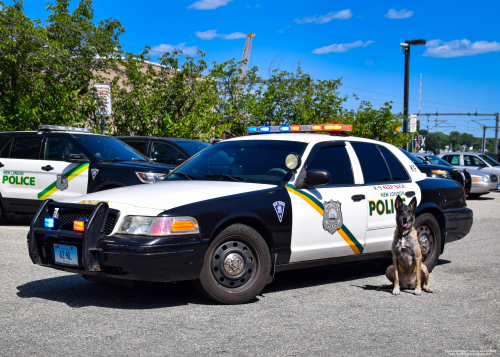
[
  {"x": 241, "y": 210},
  {"x": 62, "y": 162}
]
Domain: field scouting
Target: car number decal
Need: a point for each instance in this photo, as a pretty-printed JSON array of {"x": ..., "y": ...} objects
[
  {"x": 344, "y": 232},
  {"x": 71, "y": 174}
]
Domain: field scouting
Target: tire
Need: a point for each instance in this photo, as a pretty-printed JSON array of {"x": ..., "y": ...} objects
[
  {"x": 429, "y": 237},
  {"x": 236, "y": 267}
]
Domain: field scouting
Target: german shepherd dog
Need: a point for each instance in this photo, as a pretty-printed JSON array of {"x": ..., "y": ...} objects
[{"x": 407, "y": 270}]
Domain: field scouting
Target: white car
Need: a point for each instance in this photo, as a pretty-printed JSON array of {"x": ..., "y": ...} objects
[{"x": 241, "y": 210}]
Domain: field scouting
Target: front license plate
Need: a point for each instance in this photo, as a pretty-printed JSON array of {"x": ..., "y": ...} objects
[{"x": 65, "y": 255}]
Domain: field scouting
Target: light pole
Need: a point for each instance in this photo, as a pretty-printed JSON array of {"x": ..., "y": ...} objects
[{"x": 406, "y": 48}]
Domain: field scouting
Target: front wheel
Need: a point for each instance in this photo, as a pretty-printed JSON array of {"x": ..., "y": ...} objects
[
  {"x": 429, "y": 237},
  {"x": 237, "y": 266}
]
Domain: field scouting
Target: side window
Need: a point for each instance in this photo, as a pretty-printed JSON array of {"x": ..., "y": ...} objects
[
  {"x": 6, "y": 150},
  {"x": 27, "y": 147},
  {"x": 471, "y": 160},
  {"x": 372, "y": 163},
  {"x": 138, "y": 145},
  {"x": 168, "y": 154},
  {"x": 58, "y": 149},
  {"x": 452, "y": 159},
  {"x": 336, "y": 161},
  {"x": 397, "y": 172}
]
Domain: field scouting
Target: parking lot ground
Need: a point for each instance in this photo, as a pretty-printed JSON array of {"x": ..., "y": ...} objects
[{"x": 325, "y": 311}]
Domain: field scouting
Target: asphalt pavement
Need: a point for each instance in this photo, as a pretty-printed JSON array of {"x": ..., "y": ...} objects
[{"x": 325, "y": 311}]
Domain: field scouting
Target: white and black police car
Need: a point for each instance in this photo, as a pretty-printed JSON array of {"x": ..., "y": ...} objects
[
  {"x": 62, "y": 162},
  {"x": 241, "y": 210}
]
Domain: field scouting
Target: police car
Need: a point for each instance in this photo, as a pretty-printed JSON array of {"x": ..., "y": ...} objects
[
  {"x": 241, "y": 210},
  {"x": 62, "y": 162}
]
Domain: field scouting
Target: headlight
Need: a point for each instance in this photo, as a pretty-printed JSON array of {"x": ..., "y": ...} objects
[
  {"x": 150, "y": 177},
  {"x": 486, "y": 179},
  {"x": 442, "y": 173},
  {"x": 159, "y": 226}
]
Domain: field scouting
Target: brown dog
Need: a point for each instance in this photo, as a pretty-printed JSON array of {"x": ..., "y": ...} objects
[{"x": 407, "y": 269}]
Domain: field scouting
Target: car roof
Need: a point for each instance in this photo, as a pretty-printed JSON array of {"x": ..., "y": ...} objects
[
  {"x": 155, "y": 138},
  {"x": 304, "y": 137},
  {"x": 50, "y": 132},
  {"x": 461, "y": 153}
]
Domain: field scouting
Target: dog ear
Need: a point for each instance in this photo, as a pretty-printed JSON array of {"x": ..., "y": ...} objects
[
  {"x": 413, "y": 203},
  {"x": 398, "y": 202}
]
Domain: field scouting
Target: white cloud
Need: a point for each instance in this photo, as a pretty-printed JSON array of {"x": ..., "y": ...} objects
[
  {"x": 169, "y": 48},
  {"x": 401, "y": 14},
  {"x": 342, "y": 47},
  {"x": 323, "y": 19},
  {"x": 211, "y": 34},
  {"x": 208, "y": 4},
  {"x": 459, "y": 48},
  {"x": 282, "y": 31}
]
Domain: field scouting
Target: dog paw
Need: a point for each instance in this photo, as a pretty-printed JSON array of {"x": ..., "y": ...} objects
[
  {"x": 418, "y": 291},
  {"x": 428, "y": 290},
  {"x": 395, "y": 291}
]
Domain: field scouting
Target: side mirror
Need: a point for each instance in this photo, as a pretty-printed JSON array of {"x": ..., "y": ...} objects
[
  {"x": 317, "y": 178},
  {"x": 76, "y": 158},
  {"x": 155, "y": 154},
  {"x": 179, "y": 161},
  {"x": 483, "y": 164}
]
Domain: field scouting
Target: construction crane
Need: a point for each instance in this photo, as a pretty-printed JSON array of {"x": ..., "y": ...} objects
[{"x": 245, "y": 59}]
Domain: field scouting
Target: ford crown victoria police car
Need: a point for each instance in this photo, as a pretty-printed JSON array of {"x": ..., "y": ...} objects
[
  {"x": 63, "y": 162},
  {"x": 245, "y": 208}
]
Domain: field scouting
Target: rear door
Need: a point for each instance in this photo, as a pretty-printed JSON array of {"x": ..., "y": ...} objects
[
  {"x": 19, "y": 167},
  {"x": 58, "y": 178},
  {"x": 474, "y": 162},
  {"x": 384, "y": 179},
  {"x": 328, "y": 221},
  {"x": 141, "y": 146}
]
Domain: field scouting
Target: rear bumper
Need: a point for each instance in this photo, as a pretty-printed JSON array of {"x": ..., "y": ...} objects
[{"x": 458, "y": 223}]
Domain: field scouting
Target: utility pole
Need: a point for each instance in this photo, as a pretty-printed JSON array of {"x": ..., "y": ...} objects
[{"x": 496, "y": 133}]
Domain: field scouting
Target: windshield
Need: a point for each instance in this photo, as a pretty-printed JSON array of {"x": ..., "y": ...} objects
[
  {"x": 255, "y": 161},
  {"x": 191, "y": 146},
  {"x": 489, "y": 160},
  {"x": 435, "y": 160},
  {"x": 413, "y": 158},
  {"x": 106, "y": 148}
]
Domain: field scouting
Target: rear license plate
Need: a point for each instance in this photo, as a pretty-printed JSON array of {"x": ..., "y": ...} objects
[{"x": 65, "y": 255}]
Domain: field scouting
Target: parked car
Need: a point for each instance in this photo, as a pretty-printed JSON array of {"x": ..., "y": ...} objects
[
  {"x": 440, "y": 171},
  {"x": 245, "y": 208},
  {"x": 168, "y": 151},
  {"x": 481, "y": 183},
  {"x": 62, "y": 162}
]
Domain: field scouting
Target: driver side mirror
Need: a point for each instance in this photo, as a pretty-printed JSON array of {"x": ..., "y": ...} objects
[
  {"x": 317, "y": 178},
  {"x": 483, "y": 164},
  {"x": 76, "y": 158}
]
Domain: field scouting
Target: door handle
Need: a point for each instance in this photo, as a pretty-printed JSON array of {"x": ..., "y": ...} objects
[
  {"x": 47, "y": 168},
  {"x": 410, "y": 193},
  {"x": 358, "y": 197},
  {"x": 1, "y": 165}
]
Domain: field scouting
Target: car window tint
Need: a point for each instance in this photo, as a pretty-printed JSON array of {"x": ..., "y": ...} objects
[
  {"x": 452, "y": 159},
  {"x": 471, "y": 160},
  {"x": 138, "y": 145},
  {"x": 336, "y": 161},
  {"x": 372, "y": 163},
  {"x": 6, "y": 150},
  {"x": 397, "y": 171},
  {"x": 59, "y": 149},
  {"x": 27, "y": 147},
  {"x": 168, "y": 154}
]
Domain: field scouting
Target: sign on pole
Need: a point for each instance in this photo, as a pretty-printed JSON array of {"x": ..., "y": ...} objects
[
  {"x": 413, "y": 123},
  {"x": 103, "y": 96}
]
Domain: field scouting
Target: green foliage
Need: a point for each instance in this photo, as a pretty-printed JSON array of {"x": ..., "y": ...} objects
[{"x": 455, "y": 141}]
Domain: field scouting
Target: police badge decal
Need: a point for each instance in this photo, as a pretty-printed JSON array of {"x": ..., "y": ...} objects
[
  {"x": 62, "y": 182},
  {"x": 332, "y": 216}
]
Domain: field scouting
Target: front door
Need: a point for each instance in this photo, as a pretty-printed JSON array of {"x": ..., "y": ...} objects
[
  {"x": 328, "y": 221},
  {"x": 58, "y": 178},
  {"x": 473, "y": 162}
]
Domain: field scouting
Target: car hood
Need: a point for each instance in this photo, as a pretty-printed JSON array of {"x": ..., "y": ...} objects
[
  {"x": 435, "y": 167},
  {"x": 138, "y": 165},
  {"x": 165, "y": 195}
]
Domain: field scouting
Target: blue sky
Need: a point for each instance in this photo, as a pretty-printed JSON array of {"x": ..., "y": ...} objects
[{"x": 356, "y": 40}]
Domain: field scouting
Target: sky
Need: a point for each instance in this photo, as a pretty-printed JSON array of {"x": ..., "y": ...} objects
[{"x": 356, "y": 40}]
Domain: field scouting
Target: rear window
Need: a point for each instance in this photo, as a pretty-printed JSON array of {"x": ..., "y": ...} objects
[
  {"x": 372, "y": 162},
  {"x": 397, "y": 171},
  {"x": 191, "y": 146},
  {"x": 27, "y": 147},
  {"x": 138, "y": 145}
]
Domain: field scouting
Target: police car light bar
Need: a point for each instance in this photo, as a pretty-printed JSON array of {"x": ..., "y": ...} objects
[
  {"x": 299, "y": 128},
  {"x": 63, "y": 128}
]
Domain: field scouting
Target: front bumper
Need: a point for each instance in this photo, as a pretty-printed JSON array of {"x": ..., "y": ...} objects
[
  {"x": 458, "y": 223},
  {"x": 483, "y": 187},
  {"x": 140, "y": 258}
]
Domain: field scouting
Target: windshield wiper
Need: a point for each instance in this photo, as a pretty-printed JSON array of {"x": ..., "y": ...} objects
[
  {"x": 234, "y": 178},
  {"x": 183, "y": 174}
]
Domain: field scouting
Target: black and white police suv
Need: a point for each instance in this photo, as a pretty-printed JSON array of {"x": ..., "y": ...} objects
[
  {"x": 241, "y": 210},
  {"x": 62, "y": 162}
]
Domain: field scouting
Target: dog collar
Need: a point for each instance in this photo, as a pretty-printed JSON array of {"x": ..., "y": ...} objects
[{"x": 405, "y": 233}]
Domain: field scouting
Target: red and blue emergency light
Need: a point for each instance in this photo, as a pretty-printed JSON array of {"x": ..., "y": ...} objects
[{"x": 299, "y": 128}]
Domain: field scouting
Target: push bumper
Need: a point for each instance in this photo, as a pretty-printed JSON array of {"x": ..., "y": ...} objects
[
  {"x": 140, "y": 258},
  {"x": 458, "y": 223}
]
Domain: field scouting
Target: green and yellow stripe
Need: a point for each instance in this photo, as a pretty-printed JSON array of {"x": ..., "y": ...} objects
[
  {"x": 344, "y": 232},
  {"x": 71, "y": 174}
]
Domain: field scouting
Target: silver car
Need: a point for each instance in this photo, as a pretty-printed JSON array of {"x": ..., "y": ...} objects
[{"x": 482, "y": 182}]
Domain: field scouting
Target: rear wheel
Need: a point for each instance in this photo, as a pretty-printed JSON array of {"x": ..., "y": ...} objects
[
  {"x": 237, "y": 266},
  {"x": 429, "y": 237}
]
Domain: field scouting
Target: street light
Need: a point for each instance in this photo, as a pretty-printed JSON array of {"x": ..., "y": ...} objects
[{"x": 406, "y": 48}]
